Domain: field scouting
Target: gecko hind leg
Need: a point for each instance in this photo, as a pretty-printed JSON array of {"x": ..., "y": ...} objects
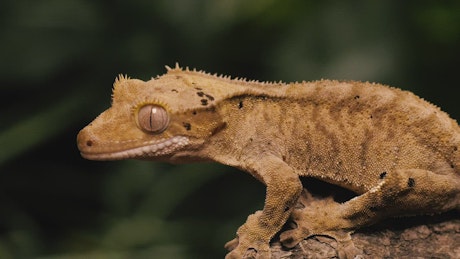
[
  {"x": 312, "y": 217},
  {"x": 400, "y": 192}
]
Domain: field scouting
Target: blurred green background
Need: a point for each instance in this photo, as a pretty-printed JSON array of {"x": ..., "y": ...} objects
[{"x": 59, "y": 58}]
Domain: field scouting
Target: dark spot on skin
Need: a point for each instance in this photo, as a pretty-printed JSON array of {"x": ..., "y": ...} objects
[
  {"x": 240, "y": 105},
  {"x": 204, "y": 102},
  {"x": 455, "y": 148},
  {"x": 193, "y": 83},
  {"x": 250, "y": 139},
  {"x": 187, "y": 125},
  {"x": 373, "y": 209},
  {"x": 174, "y": 91},
  {"x": 356, "y": 97},
  {"x": 452, "y": 166},
  {"x": 383, "y": 174},
  {"x": 89, "y": 143},
  {"x": 199, "y": 89},
  {"x": 194, "y": 112},
  {"x": 411, "y": 182},
  {"x": 178, "y": 77},
  {"x": 209, "y": 97},
  {"x": 219, "y": 128},
  {"x": 371, "y": 117},
  {"x": 202, "y": 94}
]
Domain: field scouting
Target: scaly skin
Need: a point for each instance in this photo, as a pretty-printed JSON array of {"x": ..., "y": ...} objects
[{"x": 399, "y": 153}]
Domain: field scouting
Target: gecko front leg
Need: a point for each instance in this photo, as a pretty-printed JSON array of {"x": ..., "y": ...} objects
[{"x": 283, "y": 190}]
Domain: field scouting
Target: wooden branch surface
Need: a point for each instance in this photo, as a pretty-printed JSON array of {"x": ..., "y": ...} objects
[{"x": 436, "y": 236}]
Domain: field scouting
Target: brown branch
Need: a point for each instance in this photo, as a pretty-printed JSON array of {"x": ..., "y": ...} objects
[{"x": 435, "y": 236}]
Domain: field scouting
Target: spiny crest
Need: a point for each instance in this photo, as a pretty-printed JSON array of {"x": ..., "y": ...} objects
[
  {"x": 243, "y": 80},
  {"x": 177, "y": 67},
  {"x": 120, "y": 79}
]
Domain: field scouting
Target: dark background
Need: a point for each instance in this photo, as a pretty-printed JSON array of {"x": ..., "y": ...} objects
[{"x": 58, "y": 59}]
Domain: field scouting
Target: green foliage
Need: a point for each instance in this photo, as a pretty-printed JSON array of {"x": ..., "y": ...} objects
[{"x": 59, "y": 58}]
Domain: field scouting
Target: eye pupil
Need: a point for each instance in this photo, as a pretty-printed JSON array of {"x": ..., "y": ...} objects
[
  {"x": 153, "y": 111},
  {"x": 152, "y": 118}
]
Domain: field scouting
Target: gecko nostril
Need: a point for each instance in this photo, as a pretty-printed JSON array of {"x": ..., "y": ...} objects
[{"x": 89, "y": 143}]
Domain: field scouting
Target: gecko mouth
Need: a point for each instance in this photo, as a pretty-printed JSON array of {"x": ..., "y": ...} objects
[{"x": 154, "y": 149}]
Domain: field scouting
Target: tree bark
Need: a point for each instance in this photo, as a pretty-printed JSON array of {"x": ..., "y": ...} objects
[{"x": 436, "y": 236}]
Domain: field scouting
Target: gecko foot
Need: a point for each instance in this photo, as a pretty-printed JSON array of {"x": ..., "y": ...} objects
[
  {"x": 249, "y": 243},
  {"x": 316, "y": 217},
  {"x": 239, "y": 251}
]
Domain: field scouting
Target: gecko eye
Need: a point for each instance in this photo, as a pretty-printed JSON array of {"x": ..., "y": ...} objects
[{"x": 152, "y": 118}]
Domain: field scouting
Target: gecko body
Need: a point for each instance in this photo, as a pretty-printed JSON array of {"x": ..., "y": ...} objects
[{"x": 397, "y": 152}]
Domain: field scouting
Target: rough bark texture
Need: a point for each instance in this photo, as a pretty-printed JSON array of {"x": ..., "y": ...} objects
[{"x": 435, "y": 236}]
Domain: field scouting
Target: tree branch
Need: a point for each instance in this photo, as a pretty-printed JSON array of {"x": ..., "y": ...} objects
[{"x": 435, "y": 236}]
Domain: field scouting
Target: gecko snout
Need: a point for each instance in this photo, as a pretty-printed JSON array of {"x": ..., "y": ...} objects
[{"x": 85, "y": 141}]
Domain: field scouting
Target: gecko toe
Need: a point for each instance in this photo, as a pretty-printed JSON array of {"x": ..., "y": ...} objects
[{"x": 232, "y": 244}]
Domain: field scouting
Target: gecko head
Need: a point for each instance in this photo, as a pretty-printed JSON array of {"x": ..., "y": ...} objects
[{"x": 164, "y": 119}]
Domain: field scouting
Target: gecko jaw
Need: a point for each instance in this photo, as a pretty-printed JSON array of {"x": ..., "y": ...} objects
[{"x": 158, "y": 148}]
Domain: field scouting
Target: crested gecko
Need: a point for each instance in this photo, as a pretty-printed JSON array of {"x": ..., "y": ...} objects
[{"x": 397, "y": 152}]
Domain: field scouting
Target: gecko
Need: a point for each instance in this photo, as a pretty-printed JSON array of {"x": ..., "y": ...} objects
[{"x": 397, "y": 152}]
